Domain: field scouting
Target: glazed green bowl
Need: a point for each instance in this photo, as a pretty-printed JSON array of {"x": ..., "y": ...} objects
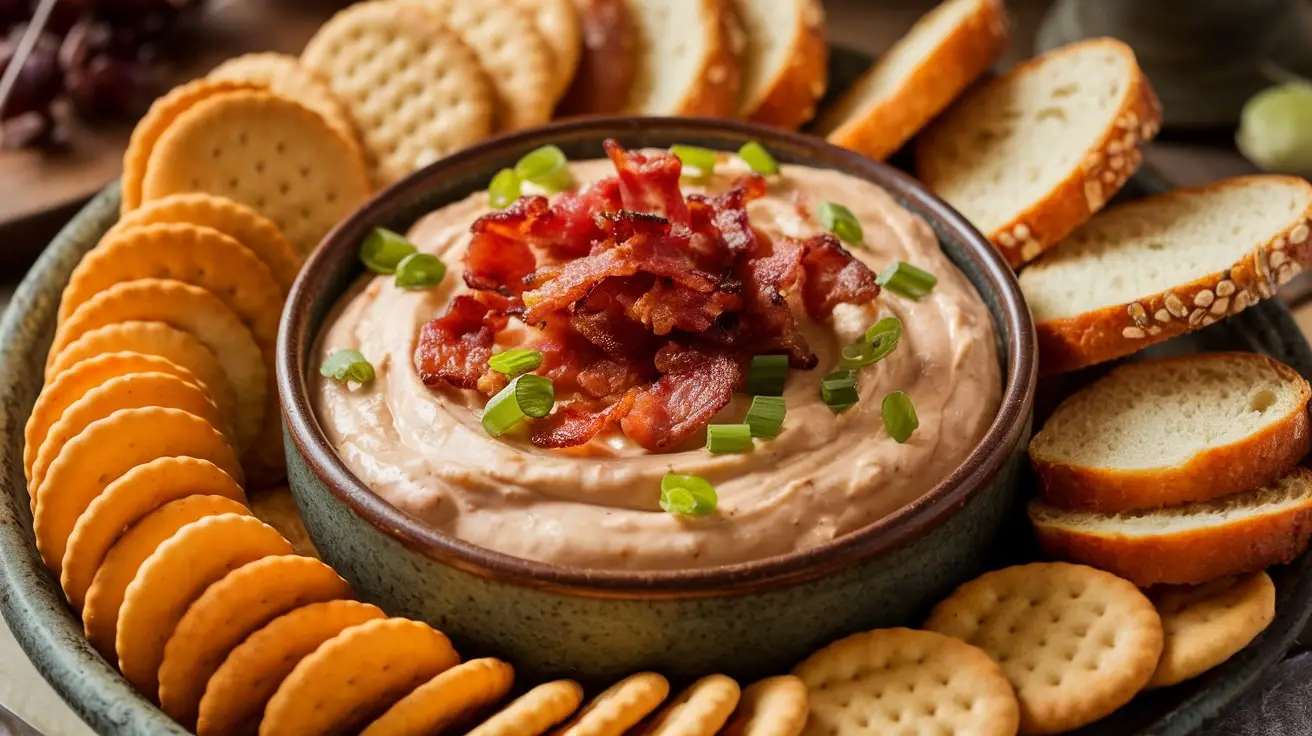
[{"x": 743, "y": 619}]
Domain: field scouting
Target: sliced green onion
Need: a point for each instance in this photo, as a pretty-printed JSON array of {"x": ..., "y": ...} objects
[
  {"x": 701, "y": 159},
  {"x": 767, "y": 375},
  {"x": 757, "y": 158},
  {"x": 516, "y": 361},
  {"x": 899, "y": 416},
  {"x": 879, "y": 341},
  {"x": 840, "y": 221},
  {"x": 546, "y": 167},
  {"x": 688, "y": 495},
  {"x": 526, "y": 396},
  {"x": 383, "y": 250},
  {"x": 348, "y": 365},
  {"x": 420, "y": 271},
  {"x": 503, "y": 190},
  {"x": 727, "y": 438},
  {"x": 838, "y": 390},
  {"x": 907, "y": 281},
  {"x": 766, "y": 417}
]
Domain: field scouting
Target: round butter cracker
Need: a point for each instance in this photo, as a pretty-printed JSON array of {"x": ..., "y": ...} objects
[
  {"x": 1207, "y": 624},
  {"x": 619, "y": 707},
  {"x": 285, "y": 75},
  {"x": 775, "y": 706},
  {"x": 700, "y": 710},
  {"x": 447, "y": 701},
  {"x": 535, "y": 711}
]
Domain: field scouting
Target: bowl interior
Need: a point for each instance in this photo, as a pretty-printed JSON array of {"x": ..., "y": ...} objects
[{"x": 334, "y": 266}]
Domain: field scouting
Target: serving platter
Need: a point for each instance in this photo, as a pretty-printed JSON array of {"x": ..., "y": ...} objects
[{"x": 32, "y": 604}]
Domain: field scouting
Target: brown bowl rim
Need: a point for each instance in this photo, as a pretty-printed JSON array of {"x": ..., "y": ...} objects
[{"x": 973, "y": 474}]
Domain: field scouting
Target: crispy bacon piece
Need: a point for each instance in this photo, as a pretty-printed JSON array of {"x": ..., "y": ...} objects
[
  {"x": 649, "y": 182},
  {"x": 573, "y": 228},
  {"x": 454, "y": 348},
  {"x": 668, "y": 306},
  {"x": 575, "y": 363},
  {"x": 682, "y": 401},
  {"x": 834, "y": 277},
  {"x": 577, "y": 422},
  {"x": 769, "y": 321},
  {"x": 498, "y": 257}
]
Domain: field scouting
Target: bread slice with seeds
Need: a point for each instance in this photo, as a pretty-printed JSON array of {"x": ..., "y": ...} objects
[
  {"x": 687, "y": 61},
  {"x": 1172, "y": 431},
  {"x": 1032, "y": 154},
  {"x": 918, "y": 77},
  {"x": 784, "y": 60},
  {"x": 1189, "y": 544},
  {"x": 1154, "y": 268}
]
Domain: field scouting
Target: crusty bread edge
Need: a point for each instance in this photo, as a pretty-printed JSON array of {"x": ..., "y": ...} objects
[
  {"x": 1249, "y": 463},
  {"x": 715, "y": 90},
  {"x": 1111, "y": 332},
  {"x": 603, "y": 79},
  {"x": 790, "y": 98},
  {"x": 879, "y": 130},
  {"x": 1191, "y": 557}
]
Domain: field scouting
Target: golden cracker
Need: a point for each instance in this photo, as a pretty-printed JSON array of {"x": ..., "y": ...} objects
[
  {"x": 159, "y": 339},
  {"x": 906, "y": 681},
  {"x": 1207, "y": 624},
  {"x": 532, "y": 713},
  {"x": 107, "y": 449},
  {"x": 132, "y": 391},
  {"x": 266, "y": 152},
  {"x": 431, "y": 99},
  {"x": 448, "y": 699},
  {"x": 177, "y": 573},
  {"x": 700, "y": 710},
  {"x": 191, "y": 309},
  {"x": 1076, "y": 643},
  {"x": 387, "y": 658},
  {"x": 132, "y": 497},
  {"x": 619, "y": 707},
  {"x": 233, "y": 608},
  {"x": 775, "y": 706},
  {"x": 162, "y": 114},
  {"x": 238, "y": 691},
  {"x": 559, "y": 25},
  {"x": 285, "y": 75},
  {"x": 105, "y": 595},
  {"x": 236, "y": 220},
  {"x": 277, "y": 508}
]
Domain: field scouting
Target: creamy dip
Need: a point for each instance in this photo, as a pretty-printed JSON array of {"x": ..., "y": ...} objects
[{"x": 597, "y": 506}]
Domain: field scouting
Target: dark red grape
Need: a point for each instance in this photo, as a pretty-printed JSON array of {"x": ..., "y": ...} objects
[
  {"x": 105, "y": 87},
  {"x": 40, "y": 81}
]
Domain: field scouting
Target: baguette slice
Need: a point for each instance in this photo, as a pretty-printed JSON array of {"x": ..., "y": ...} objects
[
  {"x": 1172, "y": 431},
  {"x": 604, "y": 77},
  {"x": 918, "y": 77},
  {"x": 1189, "y": 544},
  {"x": 1148, "y": 270},
  {"x": 784, "y": 61},
  {"x": 687, "y": 63},
  {"x": 1032, "y": 154}
]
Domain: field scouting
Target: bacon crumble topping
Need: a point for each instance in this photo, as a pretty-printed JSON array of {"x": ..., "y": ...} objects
[{"x": 646, "y": 305}]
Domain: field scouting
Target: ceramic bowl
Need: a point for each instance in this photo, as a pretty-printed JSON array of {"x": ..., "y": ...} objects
[{"x": 743, "y": 619}]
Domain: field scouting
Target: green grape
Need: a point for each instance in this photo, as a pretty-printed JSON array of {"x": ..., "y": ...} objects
[{"x": 1275, "y": 128}]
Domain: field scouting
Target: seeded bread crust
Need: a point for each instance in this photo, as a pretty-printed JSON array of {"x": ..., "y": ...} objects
[
  {"x": 790, "y": 98},
  {"x": 966, "y": 53},
  {"x": 1102, "y": 171},
  {"x": 1111, "y": 332},
  {"x": 1241, "y": 545},
  {"x": 1252, "y": 462}
]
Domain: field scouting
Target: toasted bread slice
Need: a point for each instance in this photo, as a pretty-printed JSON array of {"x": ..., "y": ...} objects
[
  {"x": 918, "y": 77},
  {"x": 687, "y": 63},
  {"x": 1154, "y": 268},
  {"x": 1186, "y": 544},
  {"x": 784, "y": 61},
  {"x": 604, "y": 77},
  {"x": 1031, "y": 155},
  {"x": 1172, "y": 431}
]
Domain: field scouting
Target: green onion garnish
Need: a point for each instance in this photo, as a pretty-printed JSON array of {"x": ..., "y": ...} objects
[
  {"x": 526, "y": 396},
  {"x": 687, "y": 495},
  {"x": 880, "y": 340},
  {"x": 503, "y": 190},
  {"x": 516, "y": 361},
  {"x": 838, "y": 390},
  {"x": 348, "y": 365},
  {"x": 757, "y": 158},
  {"x": 907, "y": 281},
  {"x": 840, "y": 221},
  {"x": 899, "y": 416},
  {"x": 420, "y": 271},
  {"x": 546, "y": 167},
  {"x": 767, "y": 375},
  {"x": 701, "y": 159},
  {"x": 383, "y": 250},
  {"x": 766, "y": 417},
  {"x": 726, "y": 438}
]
